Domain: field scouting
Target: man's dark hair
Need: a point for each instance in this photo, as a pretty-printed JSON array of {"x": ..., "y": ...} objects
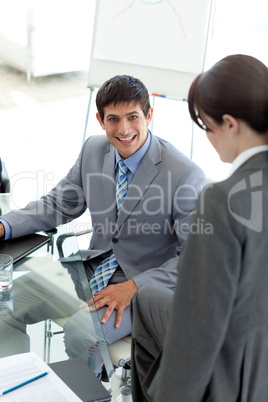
[{"x": 122, "y": 89}]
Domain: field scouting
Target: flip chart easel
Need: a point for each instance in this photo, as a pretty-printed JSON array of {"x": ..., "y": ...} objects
[{"x": 161, "y": 42}]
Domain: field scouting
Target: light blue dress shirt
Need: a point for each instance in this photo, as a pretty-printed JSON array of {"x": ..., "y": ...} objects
[{"x": 134, "y": 160}]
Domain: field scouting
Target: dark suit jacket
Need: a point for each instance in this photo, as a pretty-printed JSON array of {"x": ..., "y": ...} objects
[
  {"x": 217, "y": 342},
  {"x": 152, "y": 223}
]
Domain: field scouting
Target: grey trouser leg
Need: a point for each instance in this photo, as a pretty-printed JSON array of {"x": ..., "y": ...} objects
[{"x": 150, "y": 308}]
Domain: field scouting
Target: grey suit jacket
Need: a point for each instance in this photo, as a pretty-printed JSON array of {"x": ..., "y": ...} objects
[
  {"x": 217, "y": 341},
  {"x": 153, "y": 222}
]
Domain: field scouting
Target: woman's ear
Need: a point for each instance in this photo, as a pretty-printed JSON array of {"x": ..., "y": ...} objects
[{"x": 231, "y": 123}]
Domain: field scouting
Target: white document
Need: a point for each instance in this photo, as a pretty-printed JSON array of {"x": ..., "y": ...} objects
[
  {"x": 18, "y": 274},
  {"x": 16, "y": 369}
]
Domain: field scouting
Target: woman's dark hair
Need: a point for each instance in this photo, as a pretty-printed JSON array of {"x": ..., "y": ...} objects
[
  {"x": 236, "y": 85},
  {"x": 122, "y": 89}
]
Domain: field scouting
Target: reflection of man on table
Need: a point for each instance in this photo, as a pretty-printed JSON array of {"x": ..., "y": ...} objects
[{"x": 137, "y": 236}]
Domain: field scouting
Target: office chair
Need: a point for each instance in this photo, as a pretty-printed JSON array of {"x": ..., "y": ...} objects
[{"x": 120, "y": 351}]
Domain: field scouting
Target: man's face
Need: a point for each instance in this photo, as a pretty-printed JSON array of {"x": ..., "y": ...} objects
[{"x": 126, "y": 127}]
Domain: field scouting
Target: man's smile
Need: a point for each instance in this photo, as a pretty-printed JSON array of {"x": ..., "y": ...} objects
[{"x": 126, "y": 139}]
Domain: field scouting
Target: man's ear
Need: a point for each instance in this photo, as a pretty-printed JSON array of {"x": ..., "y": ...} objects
[
  {"x": 100, "y": 121},
  {"x": 231, "y": 123},
  {"x": 150, "y": 116}
]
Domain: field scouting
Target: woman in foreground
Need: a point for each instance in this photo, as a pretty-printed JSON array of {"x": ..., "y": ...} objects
[{"x": 214, "y": 345}]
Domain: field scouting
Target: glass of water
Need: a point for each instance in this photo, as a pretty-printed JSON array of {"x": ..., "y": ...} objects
[{"x": 6, "y": 284}]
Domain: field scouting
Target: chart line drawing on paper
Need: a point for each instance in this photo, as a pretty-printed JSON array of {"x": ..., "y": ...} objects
[
  {"x": 147, "y": 34},
  {"x": 154, "y": 3}
]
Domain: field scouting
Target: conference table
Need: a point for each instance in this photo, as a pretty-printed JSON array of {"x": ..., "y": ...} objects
[{"x": 49, "y": 287}]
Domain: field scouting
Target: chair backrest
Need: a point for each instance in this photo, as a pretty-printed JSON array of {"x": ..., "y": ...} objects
[{"x": 4, "y": 179}]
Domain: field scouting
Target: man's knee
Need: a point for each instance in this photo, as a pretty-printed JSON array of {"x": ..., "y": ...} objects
[
  {"x": 150, "y": 312},
  {"x": 152, "y": 299},
  {"x": 145, "y": 296}
]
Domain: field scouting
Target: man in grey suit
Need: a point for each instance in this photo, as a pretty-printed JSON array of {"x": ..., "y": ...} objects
[
  {"x": 209, "y": 341},
  {"x": 147, "y": 234}
]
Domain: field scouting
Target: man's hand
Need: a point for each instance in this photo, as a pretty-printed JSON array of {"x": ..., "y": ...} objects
[
  {"x": 116, "y": 297},
  {"x": 2, "y": 230}
]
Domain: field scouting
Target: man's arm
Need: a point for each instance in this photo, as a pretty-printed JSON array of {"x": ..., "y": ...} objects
[{"x": 64, "y": 203}]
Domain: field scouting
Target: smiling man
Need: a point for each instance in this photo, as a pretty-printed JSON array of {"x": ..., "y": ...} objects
[
  {"x": 126, "y": 126},
  {"x": 140, "y": 191}
]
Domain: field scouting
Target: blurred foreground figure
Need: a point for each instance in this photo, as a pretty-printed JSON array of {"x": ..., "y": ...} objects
[{"x": 215, "y": 347}]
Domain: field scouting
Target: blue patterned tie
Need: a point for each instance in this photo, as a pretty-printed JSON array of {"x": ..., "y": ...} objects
[{"x": 105, "y": 270}]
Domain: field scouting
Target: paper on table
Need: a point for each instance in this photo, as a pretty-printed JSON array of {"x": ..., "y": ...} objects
[
  {"x": 19, "y": 368},
  {"x": 17, "y": 274}
]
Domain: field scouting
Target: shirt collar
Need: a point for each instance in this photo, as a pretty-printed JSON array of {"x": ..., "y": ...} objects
[
  {"x": 244, "y": 156},
  {"x": 134, "y": 160}
]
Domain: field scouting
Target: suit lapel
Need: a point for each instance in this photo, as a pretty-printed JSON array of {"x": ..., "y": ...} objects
[{"x": 108, "y": 182}]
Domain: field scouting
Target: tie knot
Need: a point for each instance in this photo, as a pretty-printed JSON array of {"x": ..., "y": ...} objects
[{"x": 122, "y": 167}]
